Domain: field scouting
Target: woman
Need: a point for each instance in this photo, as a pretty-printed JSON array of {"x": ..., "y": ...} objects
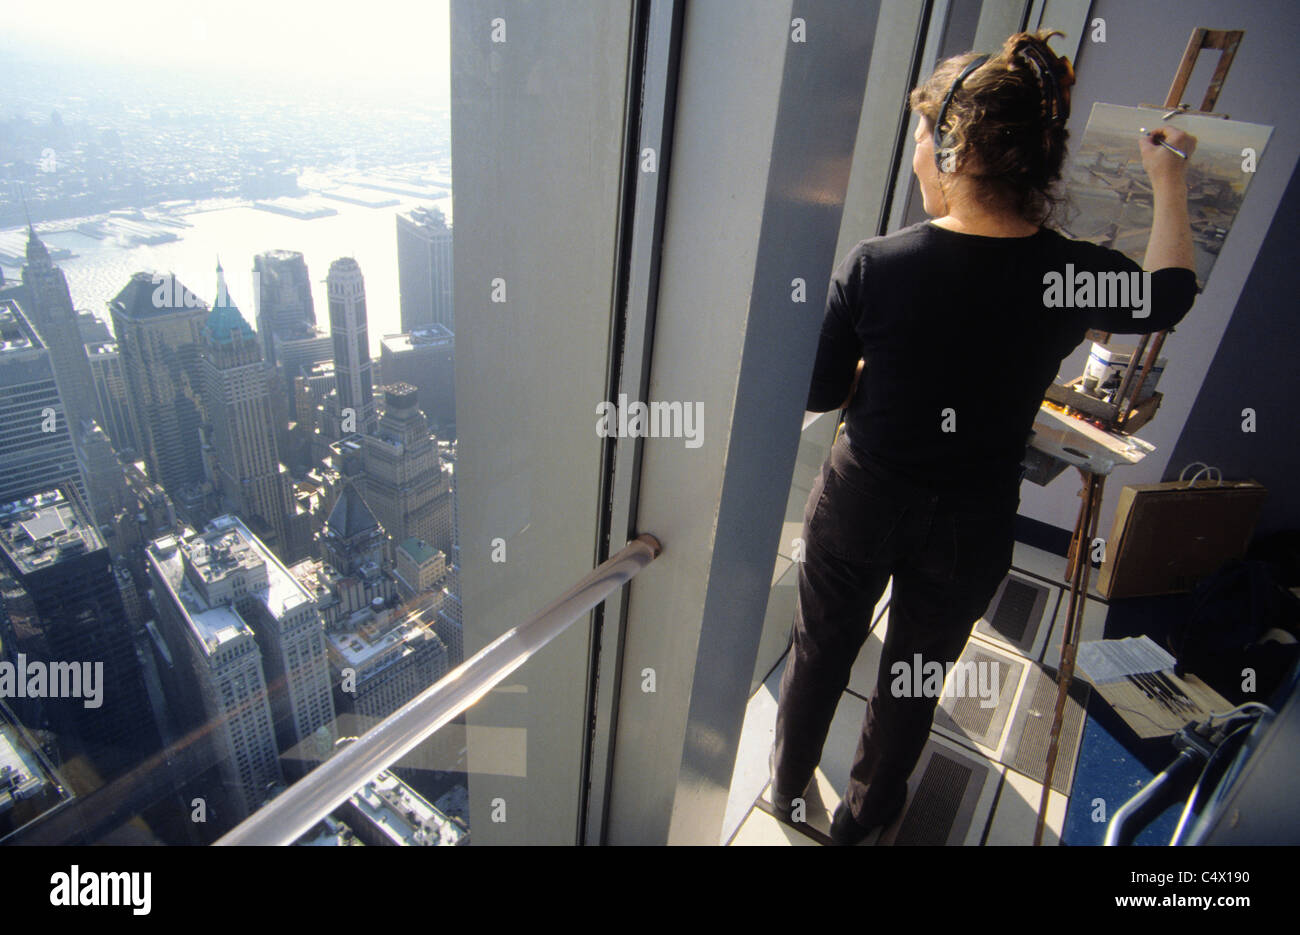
[{"x": 923, "y": 484}]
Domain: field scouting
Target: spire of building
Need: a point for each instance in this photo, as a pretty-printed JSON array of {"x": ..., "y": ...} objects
[
  {"x": 38, "y": 257},
  {"x": 225, "y": 323},
  {"x": 350, "y": 517}
]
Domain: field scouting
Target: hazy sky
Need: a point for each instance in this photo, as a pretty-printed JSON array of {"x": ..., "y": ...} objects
[{"x": 379, "y": 43}]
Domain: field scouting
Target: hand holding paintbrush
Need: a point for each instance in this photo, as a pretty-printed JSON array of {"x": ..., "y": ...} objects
[{"x": 1165, "y": 150}]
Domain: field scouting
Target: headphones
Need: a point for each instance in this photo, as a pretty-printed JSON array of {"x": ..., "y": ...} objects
[
  {"x": 939, "y": 135},
  {"x": 1057, "y": 100}
]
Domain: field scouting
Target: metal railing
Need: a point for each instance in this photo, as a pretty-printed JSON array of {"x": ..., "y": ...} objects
[{"x": 285, "y": 818}]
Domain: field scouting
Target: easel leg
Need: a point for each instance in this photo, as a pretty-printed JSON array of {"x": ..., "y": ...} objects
[{"x": 1080, "y": 568}]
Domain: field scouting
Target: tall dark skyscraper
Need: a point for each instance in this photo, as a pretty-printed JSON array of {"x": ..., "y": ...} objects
[
  {"x": 424, "y": 269},
  {"x": 61, "y": 610},
  {"x": 49, "y": 309},
  {"x": 353, "y": 370},
  {"x": 236, "y": 396},
  {"x": 157, "y": 322}
]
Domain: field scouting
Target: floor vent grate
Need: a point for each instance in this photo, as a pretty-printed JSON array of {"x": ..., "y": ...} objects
[
  {"x": 1031, "y": 731},
  {"x": 940, "y": 803},
  {"x": 1016, "y": 613}
]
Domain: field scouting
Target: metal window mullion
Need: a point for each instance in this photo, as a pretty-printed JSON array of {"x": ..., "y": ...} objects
[{"x": 651, "y": 99}]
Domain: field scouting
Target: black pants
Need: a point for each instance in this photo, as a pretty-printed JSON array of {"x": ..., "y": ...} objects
[{"x": 947, "y": 555}]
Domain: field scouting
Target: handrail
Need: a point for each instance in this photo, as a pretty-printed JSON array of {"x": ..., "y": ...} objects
[{"x": 286, "y": 817}]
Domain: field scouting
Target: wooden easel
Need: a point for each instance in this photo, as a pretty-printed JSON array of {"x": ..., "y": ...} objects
[{"x": 1120, "y": 417}]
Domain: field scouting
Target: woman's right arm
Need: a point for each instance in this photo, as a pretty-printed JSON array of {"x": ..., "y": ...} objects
[
  {"x": 1170, "y": 259},
  {"x": 1170, "y": 244}
]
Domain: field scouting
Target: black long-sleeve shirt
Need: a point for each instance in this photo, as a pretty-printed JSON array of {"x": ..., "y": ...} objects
[{"x": 961, "y": 322}]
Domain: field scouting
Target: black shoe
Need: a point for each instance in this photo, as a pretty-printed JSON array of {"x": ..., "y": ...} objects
[
  {"x": 846, "y": 831},
  {"x": 782, "y": 804}
]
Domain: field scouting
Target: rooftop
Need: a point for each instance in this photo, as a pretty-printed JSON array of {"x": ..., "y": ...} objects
[
  {"x": 281, "y": 591},
  {"x": 151, "y": 294},
  {"x": 16, "y": 332},
  {"x": 375, "y": 636},
  {"x": 216, "y": 555},
  {"x": 404, "y": 816},
  {"x": 212, "y": 626},
  {"x": 429, "y": 336},
  {"x": 429, "y": 218},
  {"x": 419, "y": 550},
  {"x": 43, "y": 529},
  {"x": 350, "y": 515},
  {"x": 195, "y": 562},
  {"x": 21, "y": 775}
]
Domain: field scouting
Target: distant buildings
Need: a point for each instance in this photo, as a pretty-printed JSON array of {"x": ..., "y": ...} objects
[
  {"x": 424, "y": 269},
  {"x": 382, "y": 652}
]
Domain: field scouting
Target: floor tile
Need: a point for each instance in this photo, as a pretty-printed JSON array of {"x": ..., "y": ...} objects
[
  {"x": 1016, "y": 814},
  {"x": 762, "y": 830}
]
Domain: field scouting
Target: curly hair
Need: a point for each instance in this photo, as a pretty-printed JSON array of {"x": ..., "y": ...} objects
[{"x": 1005, "y": 125}]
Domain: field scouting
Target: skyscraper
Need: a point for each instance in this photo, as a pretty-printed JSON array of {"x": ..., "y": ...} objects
[
  {"x": 282, "y": 299},
  {"x": 424, "y": 269},
  {"x": 217, "y": 686},
  {"x": 286, "y": 317},
  {"x": 354, "y": 544},
  {"x": 236, "y": 396},
  {"x": 287, "y": 625},
  {"x": 49, "y": 309},
  {"x": 158, "y": 323},
  {"x": 64, "y": 611},
  {"x": 404, "y": 482},
  {"x": 108, "y": 380},
  {"x": 354, "y": 404},
  {"x": 36, "y": 450}
]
